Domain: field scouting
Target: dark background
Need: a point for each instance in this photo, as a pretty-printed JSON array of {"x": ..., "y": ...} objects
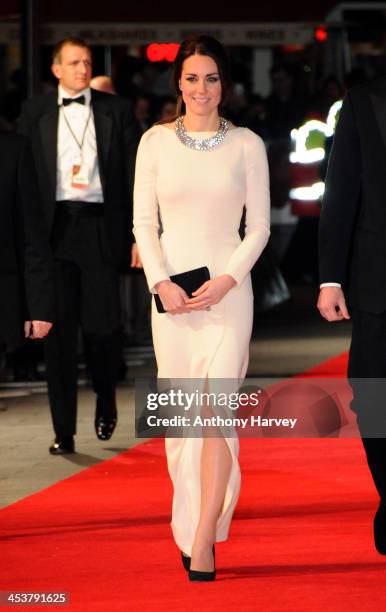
[{"x": 200, "y": 10}]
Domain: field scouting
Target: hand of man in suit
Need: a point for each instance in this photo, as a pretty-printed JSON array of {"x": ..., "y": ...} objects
[
  {"x": 332, "y": 304},
  {"x": 36, "y": 329},
  {"x": 136, "y": 261}
]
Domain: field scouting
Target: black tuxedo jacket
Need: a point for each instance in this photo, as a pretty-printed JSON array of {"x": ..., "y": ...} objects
[
  {"x": 25, "y": 257},
  {"x": 117, "y": 136},
  {"x": 352, "y": 238}
]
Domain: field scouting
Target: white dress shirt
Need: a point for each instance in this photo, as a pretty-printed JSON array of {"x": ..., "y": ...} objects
[{"x": 68, "y": 151}]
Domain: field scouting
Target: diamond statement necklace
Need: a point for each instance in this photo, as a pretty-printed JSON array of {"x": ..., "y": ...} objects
[{"x": 201, "y": 144}]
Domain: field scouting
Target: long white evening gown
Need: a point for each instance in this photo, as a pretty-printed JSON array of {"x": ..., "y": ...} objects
[{"x": 199, "y": 196}]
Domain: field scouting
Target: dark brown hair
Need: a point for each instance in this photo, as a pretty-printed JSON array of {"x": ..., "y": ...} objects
[
  {"x": 75, "y": 42},
  {"x": 201, "y": 44}
]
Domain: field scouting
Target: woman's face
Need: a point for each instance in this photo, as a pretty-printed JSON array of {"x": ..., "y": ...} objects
[{"x": 200, "y": 84}]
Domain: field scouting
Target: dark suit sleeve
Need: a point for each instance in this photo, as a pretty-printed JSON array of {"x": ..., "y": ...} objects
[
  {"x": 341, "y": 199},
  {"x": 24, "y": 122},
  {"x": 37, "y": 257},
  {"x": 131, "y": 137}
]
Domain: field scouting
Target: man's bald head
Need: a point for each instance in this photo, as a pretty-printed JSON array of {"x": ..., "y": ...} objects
[{"x": 103, "y": 83}]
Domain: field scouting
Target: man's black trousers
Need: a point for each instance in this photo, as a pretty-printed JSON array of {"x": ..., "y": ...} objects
[
  {"x": 86, "y": 298},
  {"x": 367, "y": 374}
]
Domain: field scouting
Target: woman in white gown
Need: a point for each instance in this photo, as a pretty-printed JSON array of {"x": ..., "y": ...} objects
[{"x": 197, "y": 174}]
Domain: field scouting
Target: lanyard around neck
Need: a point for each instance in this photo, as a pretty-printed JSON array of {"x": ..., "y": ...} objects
[{"x": 81, "y": 142}]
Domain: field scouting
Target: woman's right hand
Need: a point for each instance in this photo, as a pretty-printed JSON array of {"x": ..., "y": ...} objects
[{"x": 173, "y": 297}]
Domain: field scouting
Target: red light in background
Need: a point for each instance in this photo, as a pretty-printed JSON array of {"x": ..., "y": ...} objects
[
  {"x": 158, "y": 52},
  {"x": 171, "y": 51},
  {"x": 153, "y": 53},
  {"x": 321, "y": 34}
]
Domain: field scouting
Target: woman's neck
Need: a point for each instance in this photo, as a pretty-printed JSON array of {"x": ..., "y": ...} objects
[{"x": 197, "y": 123}]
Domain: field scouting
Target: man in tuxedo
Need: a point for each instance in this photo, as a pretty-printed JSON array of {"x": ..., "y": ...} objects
[
  {"x": 352, "y": 265},
  {"x": 84, "y": 144},
  {"x": 26, "y": 306}
]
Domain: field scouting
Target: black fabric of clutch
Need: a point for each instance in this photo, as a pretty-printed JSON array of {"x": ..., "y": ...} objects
[{"x": 189, "y": 281}]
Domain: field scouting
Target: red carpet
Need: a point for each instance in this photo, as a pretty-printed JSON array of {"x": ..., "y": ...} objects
[
  {"x": 336, "y": 366},
  {"x": 301, "y": 538}
]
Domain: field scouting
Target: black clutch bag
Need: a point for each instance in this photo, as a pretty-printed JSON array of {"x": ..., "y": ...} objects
[{"x": 189, "y": 281}]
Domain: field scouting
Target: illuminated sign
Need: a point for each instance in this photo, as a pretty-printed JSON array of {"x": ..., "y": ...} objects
[
  {"x": 309, "y": 141},
  {"x": 333, "y": 114},
  {"x": 312, "y": 193},
  {"x": 159, "y": 52}
]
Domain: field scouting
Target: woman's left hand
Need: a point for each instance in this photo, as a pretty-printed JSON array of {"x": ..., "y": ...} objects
[{"x": 211, "y": 292}]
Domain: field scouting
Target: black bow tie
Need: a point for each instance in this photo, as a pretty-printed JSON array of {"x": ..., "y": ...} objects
[{"x": 79, "y": 100}]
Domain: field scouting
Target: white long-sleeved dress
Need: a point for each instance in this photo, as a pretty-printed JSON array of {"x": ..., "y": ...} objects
[{"x": 199, "y": 196}]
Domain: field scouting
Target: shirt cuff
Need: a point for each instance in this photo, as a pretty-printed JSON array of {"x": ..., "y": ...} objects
[{"x": 330, "y": 285}]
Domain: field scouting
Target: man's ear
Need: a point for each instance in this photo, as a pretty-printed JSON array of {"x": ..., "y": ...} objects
[{"x": 56, "y": 70}]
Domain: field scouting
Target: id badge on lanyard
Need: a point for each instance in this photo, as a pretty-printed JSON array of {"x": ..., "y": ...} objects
[
  {"x": 80, "y": 176},
  {"x": 80, "y": 171}
]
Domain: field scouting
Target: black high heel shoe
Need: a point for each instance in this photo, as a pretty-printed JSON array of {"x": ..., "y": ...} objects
[
  {"x": 197, "y": 576},
  {"x": 186, "y": 561}
]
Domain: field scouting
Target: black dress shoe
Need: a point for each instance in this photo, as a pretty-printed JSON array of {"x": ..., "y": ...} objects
[
  {"x": 104, "y": 428},
  {"x": 380, "y": 529},
  {"x": 62, "y": 446},
  {"x": 105, "y": 418}
]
